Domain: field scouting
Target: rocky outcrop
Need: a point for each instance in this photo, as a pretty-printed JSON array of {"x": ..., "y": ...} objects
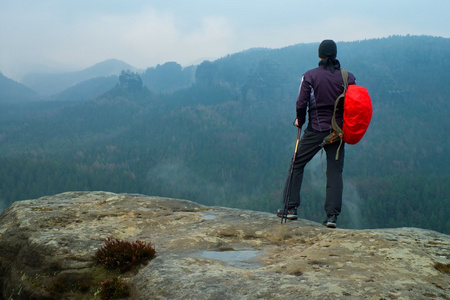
[{"x": 47, "y": 247}]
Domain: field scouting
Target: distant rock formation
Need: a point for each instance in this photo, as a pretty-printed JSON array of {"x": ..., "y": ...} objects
[
  {"x": 47, "y": 247},
  {"x": 49, "y": 83}
]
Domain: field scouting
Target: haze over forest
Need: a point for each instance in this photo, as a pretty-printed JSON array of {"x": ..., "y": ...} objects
[{"x": 220, "y": 132}]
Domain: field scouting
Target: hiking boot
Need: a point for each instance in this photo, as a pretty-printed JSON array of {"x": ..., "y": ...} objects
[
  {"x": 330, "y": 221},
  {"x": 291, "y": 213}
]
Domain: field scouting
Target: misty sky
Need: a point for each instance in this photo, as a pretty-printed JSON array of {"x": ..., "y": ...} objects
[{"x": 72, "y": 35}]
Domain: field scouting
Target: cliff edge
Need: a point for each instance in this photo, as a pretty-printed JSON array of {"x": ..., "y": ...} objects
[{"x": 47, "y": 247}]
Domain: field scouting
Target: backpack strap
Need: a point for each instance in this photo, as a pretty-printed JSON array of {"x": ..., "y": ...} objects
[
  {"x": 334, "y": 124},
  {"x": 337, "y": 132}
]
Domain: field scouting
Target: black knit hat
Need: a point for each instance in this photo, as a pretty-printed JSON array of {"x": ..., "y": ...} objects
[{"x": 328, "y": 49}]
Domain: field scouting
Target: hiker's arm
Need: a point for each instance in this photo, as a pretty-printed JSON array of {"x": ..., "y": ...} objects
[
  {"x": 302, "y": 102},
  {"x": 351, "y": 79}
]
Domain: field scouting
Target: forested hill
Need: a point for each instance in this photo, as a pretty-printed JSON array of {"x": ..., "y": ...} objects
[
  {"x": 9, "y": 89},
  {"x": 227, "y": 138}
]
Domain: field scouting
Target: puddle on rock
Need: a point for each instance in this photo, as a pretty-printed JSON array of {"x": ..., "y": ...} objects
[
  {"x": 209, "y": 217},
  {"x": 233, "y": 257}
]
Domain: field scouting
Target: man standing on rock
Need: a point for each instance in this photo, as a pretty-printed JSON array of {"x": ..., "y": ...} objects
[{"x": 318, "y": 91}]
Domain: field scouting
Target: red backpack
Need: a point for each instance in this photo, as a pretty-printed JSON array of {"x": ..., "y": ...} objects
[{"x": 357, "y": 114}]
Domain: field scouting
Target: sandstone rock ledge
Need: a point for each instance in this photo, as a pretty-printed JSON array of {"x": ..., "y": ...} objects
[{"x": 47, "y": 247}]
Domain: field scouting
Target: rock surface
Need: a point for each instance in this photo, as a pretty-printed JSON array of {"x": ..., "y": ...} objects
[{"x": 47, "y": 247}]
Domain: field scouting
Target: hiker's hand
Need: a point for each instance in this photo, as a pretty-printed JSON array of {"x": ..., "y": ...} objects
[{"x": 296, "y": 123}]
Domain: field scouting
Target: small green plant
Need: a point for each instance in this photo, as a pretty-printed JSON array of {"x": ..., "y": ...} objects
[
  {"x": 123, "y": 255},
  {"x": 112, "y": 289}
]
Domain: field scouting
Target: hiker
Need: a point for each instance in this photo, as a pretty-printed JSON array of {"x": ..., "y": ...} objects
[{"x": 319, "y": 89}]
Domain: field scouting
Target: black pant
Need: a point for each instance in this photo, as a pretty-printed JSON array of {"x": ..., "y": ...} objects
[{"x": 310, "y": 144}]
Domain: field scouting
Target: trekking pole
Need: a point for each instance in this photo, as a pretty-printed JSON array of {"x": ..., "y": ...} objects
[{"x": 289, "y": 179}]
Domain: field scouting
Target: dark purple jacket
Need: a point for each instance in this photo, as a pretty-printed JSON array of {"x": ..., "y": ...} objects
[{"x": 318, "y": 92}]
